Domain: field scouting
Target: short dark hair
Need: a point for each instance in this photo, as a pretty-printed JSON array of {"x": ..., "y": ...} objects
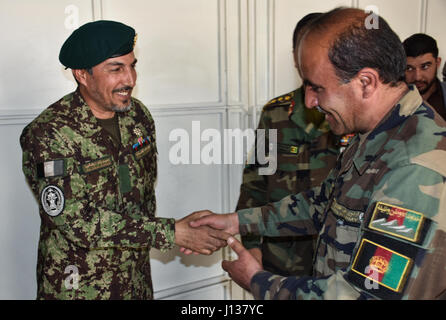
[
  {"x": 419, "y": 44},
  {"x": 356, "y": 47},
  {"x": 302, "y": 23}
]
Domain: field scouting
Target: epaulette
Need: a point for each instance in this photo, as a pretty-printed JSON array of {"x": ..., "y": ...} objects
[{"x": 283, "y": 100}]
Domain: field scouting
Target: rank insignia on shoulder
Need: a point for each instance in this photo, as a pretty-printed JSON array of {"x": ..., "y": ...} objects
[
  {"x": 272, "y": 102},
  {"x": 49, "y": 169},
  {"x": 398, "y": 222}
]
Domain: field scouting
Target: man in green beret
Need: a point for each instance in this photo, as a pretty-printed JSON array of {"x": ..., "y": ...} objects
[{"x": 90, "y": 160}]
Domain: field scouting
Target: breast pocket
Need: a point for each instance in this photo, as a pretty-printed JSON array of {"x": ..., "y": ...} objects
[
  {"x": 100, "y": 181},
  {"x": 143, "y": 172},
  {"x": 146, "y": 158}
]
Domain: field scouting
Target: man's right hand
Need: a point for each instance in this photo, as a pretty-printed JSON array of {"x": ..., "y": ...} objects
[
  {"x": 227, "y": 223},
  {"x": 200, "y": 240}
]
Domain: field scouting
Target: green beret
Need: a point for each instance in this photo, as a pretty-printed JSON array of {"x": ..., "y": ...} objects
[{"x": 95, "y": 42}]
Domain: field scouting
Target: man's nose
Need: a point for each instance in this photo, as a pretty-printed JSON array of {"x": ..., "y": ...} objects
[
  {"x": 418, "y": 74},
  {"x": 130, "y": 77},
  {"x": 310, "y": 98}
]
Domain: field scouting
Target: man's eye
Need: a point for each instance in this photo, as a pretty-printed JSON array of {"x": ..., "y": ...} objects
[{"x": 409, "y": 69}]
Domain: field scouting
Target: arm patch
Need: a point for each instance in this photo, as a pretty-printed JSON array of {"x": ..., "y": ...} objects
[{"x": 52, "y": 168}]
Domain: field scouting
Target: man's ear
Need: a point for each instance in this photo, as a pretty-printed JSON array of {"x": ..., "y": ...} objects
[
  {"x": 438, "y": 62},
  {"x": 368, "y": 80},
  {"x": 80, "y": 75}
]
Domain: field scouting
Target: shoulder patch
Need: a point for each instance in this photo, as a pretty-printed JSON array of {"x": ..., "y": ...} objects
[
  {"x": 399, "y": 222},
  {"x": 52, "y": 168},
  {"x": 382, "y": 265},
  {"x": 52, "y": 200}
]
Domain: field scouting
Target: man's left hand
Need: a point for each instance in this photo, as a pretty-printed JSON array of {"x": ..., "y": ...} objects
[{"x": 243, "y": 269}]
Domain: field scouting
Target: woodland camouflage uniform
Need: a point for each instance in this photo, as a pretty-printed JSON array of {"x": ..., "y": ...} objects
[{"x": 379, "y": 215}]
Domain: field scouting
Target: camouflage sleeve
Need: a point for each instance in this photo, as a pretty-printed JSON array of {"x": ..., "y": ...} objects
[
  {"x": 293, "y": 215},
  {"x": 83, "y": 222},
  {"x": 253, "y": 190},
  {"x": 414, "y": 269}
]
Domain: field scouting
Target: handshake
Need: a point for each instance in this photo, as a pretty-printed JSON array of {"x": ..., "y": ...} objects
[{"x": 205, "y": 232}]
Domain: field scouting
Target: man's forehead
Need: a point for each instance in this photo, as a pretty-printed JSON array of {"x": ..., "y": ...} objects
[
  {"x": 424, "y": 58},
  {"x": 312, "y": 49}
]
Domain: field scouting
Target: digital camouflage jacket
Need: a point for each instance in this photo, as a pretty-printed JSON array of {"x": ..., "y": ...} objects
[
  {"x": 306, "y": 152},
  {"x": 96, "y": 202},
  {"x": 380, "y": 216}
]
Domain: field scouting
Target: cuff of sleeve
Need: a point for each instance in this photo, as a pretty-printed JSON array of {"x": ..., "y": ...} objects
[
  {"x": 164, "y": 237},
  {"x": 251, "y": 241},
  {"x": 249, "y": 220},
  {"x": 260, "y": 285}
]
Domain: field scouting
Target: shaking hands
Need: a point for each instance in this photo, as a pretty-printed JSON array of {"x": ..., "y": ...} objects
[
  {"x": 208, "y": 232},
  {"x": 198, "y": 236},
  {"x": 204, "y": 232}
]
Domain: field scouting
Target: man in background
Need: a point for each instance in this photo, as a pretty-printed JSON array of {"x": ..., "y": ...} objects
[{"x": 423, "y": 63}]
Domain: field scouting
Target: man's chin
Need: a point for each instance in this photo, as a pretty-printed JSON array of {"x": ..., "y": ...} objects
[
  {"x": 422, "y": 90},
  {"x": 124, "y": 108}
]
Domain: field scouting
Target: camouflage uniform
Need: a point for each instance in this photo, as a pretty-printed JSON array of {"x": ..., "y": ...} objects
[
  {"x": 106, "y": 196},
  {"x": 307, "y": 151},
  {"x": 400, "y": 243}
]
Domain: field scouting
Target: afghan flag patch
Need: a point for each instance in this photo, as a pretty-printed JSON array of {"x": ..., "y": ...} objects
[
  {"x": 396, "y": 221},
  {"x": 382, "y": 265}
]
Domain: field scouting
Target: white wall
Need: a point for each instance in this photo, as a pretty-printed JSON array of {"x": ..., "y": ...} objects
[{"x": 216, "y": 61}]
